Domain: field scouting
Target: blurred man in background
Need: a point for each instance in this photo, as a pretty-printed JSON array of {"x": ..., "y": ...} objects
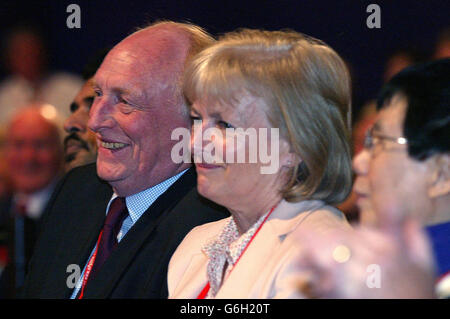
[
  {"x": 395, "y": 62},
  {"x": 29, "y": 80},
  {"x": 442, "y": 47},
  {"x": 80, "y": 146},
  {"x": 34, "y": 158}
]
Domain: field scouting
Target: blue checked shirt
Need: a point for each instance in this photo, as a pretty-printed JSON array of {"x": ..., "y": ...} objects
[{"x": 137, "y": 204}]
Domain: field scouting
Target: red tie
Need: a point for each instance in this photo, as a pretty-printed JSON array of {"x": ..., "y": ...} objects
[{"x": 116, "y": 215}]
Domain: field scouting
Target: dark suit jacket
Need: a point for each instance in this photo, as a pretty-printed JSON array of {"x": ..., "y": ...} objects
[
  {"x": 7, "y": 242},
  {"x": 137, "y": 268},
  {"x": 6, "y": 236}
]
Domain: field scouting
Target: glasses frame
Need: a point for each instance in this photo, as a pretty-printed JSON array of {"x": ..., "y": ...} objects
[{"x": 369, "y": 139}]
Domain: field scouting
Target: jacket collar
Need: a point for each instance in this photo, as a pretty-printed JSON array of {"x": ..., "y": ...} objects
[{"x": 287, "y": 216}]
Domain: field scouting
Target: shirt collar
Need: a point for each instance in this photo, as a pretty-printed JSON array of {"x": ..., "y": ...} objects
[
  {"x": 137, "y": 204},
  {"x": 226, "y": 247},
  {"x": 229, "y": 242},
  {"x": 35, "y": 203}
]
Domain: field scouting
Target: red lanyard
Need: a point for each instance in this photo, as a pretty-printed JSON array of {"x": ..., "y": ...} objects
[
  {"x": 205, "y": 290},
  {"x": 89, "y": 266}
]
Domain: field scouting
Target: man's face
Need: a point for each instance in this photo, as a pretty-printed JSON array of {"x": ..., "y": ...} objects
[
  {"x": 137, "y": 106},
  {"x": 33, "y": 153},
  {"x": 80, "y": 146},
  {"x": 389, "y": 181}
]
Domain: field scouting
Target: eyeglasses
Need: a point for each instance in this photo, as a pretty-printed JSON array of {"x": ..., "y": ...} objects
[{"x": 372, "y": 137}]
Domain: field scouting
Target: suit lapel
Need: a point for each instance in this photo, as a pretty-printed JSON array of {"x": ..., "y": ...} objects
[
  {"x": 194, "y": 278},
  {"x": 81, "y": 235},
  {"x": 102, "y": 285}
]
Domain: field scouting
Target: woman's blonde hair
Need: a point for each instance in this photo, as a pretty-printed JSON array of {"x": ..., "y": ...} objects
[{"x": 306, "y": 86}]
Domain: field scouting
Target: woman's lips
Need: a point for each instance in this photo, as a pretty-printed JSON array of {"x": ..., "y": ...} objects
[{"x": 206, "y": 166}]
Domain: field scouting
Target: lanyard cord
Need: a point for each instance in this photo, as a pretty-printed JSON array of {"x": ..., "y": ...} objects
[{"x": 89, "y": 266}]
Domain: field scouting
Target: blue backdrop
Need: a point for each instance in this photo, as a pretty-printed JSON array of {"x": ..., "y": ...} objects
[{"x": 340, "y": 23}]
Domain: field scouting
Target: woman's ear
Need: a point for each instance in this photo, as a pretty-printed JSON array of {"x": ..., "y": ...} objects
[
  {"x": 289, "y": 158},
  {"x": 293, "y": 160},
  {"x": 439, "y": 184}
]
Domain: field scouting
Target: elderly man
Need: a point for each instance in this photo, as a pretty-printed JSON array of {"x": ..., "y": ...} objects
[
  {"x": 80, "y": 145},
  {"x": 150, "y": 202},
  {"x": 34, "y": 156},
  {"x": 403, "y": 175}
]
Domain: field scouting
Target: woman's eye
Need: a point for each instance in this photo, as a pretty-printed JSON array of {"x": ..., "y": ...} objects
[
  {"x": 195, "y": 118},
  {"x": 224, "y": 124},
  {"x": 97, "y": 92}
]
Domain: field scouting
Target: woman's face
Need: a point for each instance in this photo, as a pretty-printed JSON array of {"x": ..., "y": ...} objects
[{"x": 233, "y": 169}]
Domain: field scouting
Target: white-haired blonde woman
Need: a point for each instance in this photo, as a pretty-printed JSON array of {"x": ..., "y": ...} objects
[{"x": 258, "y": 81}]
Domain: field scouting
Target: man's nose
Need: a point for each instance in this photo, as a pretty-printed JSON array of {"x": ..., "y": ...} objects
[
  {"x": 73, "y": 124},
  {"x": 100, "y": 115},
  {"x": 361, "y": 162}
]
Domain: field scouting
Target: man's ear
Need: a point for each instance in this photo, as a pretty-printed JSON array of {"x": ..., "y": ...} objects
[{"x": 440, "y": 178}]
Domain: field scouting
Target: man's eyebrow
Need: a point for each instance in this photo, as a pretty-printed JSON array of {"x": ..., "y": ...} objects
[
  {"x": 121, "y": 91},
  {"x": 117, "y": 90},
  {"x": 94, "y": 84},
  {"x": 128, "y": 91}
]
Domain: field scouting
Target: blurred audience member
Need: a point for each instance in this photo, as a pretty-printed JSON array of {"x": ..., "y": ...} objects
[
  {"x": 25, "y": 58},
  {"x": 396, "y": 62},
  {"x": 4, "y": 176},
  {"x": 34, "y": 157},
  {"x": 399, "y": 60},
  {"x": 403, "y": 174},
  {"x": 366, "y": 118},
  {"x": 80, "y": 145},
  {"x": 442, "y": 49},
  {"x": 4, "y": 192}
]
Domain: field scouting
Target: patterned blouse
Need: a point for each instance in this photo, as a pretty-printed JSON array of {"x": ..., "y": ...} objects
[{"x": 224, "y": 251}]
